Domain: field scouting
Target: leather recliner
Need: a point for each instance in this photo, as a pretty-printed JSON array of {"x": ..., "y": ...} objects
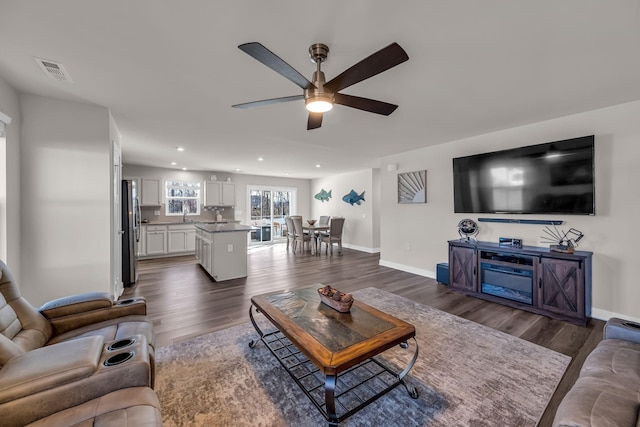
[
  {"x": 59, "y": 356},
  {"x": 23, "y": 328},
  {"x": 130, "y": 407}
]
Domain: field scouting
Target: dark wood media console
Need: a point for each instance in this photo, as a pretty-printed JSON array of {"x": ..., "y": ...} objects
[{"x": 532, "y": 278}]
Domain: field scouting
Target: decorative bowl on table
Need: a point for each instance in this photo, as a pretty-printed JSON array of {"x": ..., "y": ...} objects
[
  {"x": 335, "y": 299},
  {"x": 311, "y": 221}
]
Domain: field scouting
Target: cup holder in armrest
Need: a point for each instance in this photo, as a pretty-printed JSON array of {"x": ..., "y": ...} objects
[
  {"x": 121, "y": 344},
  {"x": 129, "y": 301},
  {"x": 119, "y": 358},
  {"x": 632, "y": 325}
]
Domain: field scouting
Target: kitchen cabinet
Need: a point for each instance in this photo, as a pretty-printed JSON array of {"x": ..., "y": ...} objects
[
  {"x": 198, "y": 244},
  {"x": 151, "y": 192},
  {"x": 219, "y": 193},
  {"x": 191, "y": 240},
  {"x": 203, "y": 249},
  {"x": 156, "y": 240},
  {"x": 167, "y": 240},
  {"x": 142, "y": 243},
  {"x": 181, "y": 238}
]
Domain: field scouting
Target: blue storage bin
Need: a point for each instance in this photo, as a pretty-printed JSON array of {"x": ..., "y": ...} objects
[{"x": 442, "y": 273}]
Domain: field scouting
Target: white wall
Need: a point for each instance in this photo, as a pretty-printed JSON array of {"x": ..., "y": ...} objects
[
  {"x": 414, "y": 237},
  {"x": 65, "y": 185},
  {"x": 10, "y": 228},
  {"x": 361, "y": 221},
  {"x": 241, "y": 182}
]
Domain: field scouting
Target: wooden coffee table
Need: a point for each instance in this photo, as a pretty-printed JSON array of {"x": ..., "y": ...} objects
[{"x": 329, "y": 354}]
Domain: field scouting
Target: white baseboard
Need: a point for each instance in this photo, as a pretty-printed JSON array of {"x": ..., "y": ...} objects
[
  {"x": 408, "y": 269},
  {"x": 605, "y": 315},
  {"x": 361, "y": 248}
]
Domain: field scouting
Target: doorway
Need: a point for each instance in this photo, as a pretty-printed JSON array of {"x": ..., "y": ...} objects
[
  {"x": 116, "y": 265},
  {"x": 268, "y": 207},
  {"x": 4, "y": 210}
]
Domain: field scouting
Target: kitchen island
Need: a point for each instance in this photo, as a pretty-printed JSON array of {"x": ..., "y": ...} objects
[{"x": 221, "y": 250}]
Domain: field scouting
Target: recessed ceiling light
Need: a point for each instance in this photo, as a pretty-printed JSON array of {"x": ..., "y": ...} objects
[
  {"x": 237, "y": 169},
  {"x": 260, "y": 159},
  {"x": 173, "y": 163},
  {"x": 179, "y": 148},
  {"x": 317, "y": 166},
  {"x": 184, "y": 169},
  {"x": 286, "y": 174}
]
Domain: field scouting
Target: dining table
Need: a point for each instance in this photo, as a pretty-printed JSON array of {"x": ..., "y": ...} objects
[{"x": 314, "y": 231}]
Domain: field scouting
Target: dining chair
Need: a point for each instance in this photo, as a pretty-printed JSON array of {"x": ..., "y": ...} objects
[
  {"x": 322, "y": 222},
  {"x": 299, "y": 235},
  {"x": 290, "y": 233},
  {"x": 334, "y": 235}
]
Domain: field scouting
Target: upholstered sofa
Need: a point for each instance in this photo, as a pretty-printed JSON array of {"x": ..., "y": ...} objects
[
  {"x": 74, "y": 356},
  {"x": 607, "y": 392}
]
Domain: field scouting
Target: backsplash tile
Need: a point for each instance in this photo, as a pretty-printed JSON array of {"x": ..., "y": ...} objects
[{"x": 208, "y": 214}]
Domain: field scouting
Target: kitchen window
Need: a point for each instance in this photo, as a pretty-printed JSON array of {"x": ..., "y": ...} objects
[{"x": 182, "y": 197}]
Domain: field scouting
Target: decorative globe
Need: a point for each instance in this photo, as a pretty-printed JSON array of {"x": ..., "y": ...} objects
[{"x": 467, "y": 228}]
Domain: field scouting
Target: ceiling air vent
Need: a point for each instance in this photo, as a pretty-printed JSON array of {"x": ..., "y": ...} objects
[{"x": 54, "y": 70}]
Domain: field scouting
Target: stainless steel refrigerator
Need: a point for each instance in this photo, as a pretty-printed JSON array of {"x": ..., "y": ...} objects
[{"x": 130, "y": 231}]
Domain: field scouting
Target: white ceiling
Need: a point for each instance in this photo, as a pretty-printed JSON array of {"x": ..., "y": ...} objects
[{"x": 169, "y": 71}]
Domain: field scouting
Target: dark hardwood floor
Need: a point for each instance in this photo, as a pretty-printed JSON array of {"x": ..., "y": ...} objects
[{"x": 183, "y": 302}]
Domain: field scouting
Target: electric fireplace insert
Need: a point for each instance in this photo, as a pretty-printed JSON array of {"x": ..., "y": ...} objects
[{"x": 507, "y": 275}]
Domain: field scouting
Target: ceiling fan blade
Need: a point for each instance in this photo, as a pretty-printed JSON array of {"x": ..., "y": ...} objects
[
  {"x": 315, "y": 121},
  {"x": 268, "y": 101},
  {"x": 366, "y": 104},
  {"x": 376, "y": 63},
  {"x": 273, "y": 61}
]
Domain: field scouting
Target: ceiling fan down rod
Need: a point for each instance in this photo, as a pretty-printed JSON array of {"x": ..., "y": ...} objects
[{"x": 318, "y": 91}]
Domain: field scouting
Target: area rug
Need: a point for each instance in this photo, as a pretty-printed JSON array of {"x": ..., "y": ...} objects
[{"x": 466, "y": 375}]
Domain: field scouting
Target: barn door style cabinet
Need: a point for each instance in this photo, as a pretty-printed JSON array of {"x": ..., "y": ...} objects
[
  {"x": 531, "y": 278},
  {"x": 462, "y": 267},
  {"x": 560, "y": 283}
]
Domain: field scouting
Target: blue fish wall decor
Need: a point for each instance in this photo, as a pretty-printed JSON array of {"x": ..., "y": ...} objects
[
  {"x": 353, "y": 198},
  {"x": 323, "y": 195}
]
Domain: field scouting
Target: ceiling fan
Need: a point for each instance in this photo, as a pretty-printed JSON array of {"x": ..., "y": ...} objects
[{"x": 319, "y": 95}]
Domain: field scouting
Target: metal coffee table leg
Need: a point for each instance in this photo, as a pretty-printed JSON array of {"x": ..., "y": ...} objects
[
  {"x": 253, "y": 343},
  {"x": 329, "y": 399},
  {"x": 410, "y": 389}
]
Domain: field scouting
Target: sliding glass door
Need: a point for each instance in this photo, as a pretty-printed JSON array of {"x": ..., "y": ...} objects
[{"x": 269, "y": 206}]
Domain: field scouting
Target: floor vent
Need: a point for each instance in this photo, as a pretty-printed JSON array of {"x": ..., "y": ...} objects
[{"x": 54, "y": 70}]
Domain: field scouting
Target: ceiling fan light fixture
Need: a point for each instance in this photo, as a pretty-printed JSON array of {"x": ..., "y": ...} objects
[{"x": 319, "y": 104}]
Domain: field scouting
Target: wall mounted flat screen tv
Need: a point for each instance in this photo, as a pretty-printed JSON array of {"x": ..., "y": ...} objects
[{"x": 552, "y": 178}]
